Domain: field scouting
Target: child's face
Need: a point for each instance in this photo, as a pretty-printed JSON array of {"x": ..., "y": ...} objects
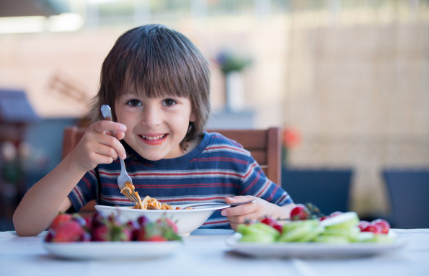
[{"x": 155, "y": 126}]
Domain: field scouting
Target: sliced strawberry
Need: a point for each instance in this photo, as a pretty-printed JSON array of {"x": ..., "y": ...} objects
[
  {"x": 273, "y": 223},
  {"x": 363, "y": 224},
  {"x": 372, "y": 228},
  {"x": 383, "y": 224},
  {"x": 59, "y": 220}
]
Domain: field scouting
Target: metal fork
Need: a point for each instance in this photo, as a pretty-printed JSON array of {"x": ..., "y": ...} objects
[
  {"x": 220, "y": 205},
  {"x": 123, "y": 177}
]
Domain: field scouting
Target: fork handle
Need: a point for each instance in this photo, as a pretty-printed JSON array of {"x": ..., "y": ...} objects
[{"x": 106, "y": 111}]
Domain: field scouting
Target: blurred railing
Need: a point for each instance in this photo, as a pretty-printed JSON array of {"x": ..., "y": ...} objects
[{"x": 135, "y": 12}]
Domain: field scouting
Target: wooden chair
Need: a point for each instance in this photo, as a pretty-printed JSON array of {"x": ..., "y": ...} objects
[{"x": 263, "y": 144}]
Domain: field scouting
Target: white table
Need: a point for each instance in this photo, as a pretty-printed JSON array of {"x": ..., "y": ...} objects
[{"x": 206, "y": 253}]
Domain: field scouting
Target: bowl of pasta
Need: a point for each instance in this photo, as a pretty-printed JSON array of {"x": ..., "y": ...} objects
[{"x": 187, "y": 219}]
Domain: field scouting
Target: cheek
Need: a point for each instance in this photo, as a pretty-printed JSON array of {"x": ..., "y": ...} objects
[
  {"x": 182, "y": 122},
  {"x": 126, "y": 120},
  {"x": 179, "y": 116}
]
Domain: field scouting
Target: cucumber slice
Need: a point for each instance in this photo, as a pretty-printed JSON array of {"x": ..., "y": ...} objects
[
  {"x": 312, "y": 235},
  {"x": 297, "y": 233},
  {"x": 352, "y": 233},
  {"x": 299, "y": 223},
  {"x": 342, "y": 221}
]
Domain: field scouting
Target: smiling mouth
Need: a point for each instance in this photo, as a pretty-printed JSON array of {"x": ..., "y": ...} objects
[{"x": 154, "y": 140}]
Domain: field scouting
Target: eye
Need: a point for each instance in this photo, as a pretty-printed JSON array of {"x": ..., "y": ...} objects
[
  {"x": 134, "y": 102},
  {"x": 169, "y": 102}
]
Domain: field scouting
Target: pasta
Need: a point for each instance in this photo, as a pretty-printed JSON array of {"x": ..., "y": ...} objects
[
  {"x": 148, "y": 202},
  {"x": 130, "y": 189}
]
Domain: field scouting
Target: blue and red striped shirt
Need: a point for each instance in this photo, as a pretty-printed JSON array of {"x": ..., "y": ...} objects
[{"x": 217, "y": 168}]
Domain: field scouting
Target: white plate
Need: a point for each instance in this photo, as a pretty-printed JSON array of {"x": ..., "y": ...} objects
[
  {"x": 187, "y": 220},
  {"x": 111, "y": 250},
  {"x": 311, "y": 250}
]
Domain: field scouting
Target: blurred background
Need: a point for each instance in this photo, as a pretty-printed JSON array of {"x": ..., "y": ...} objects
[{"x": 346, "y": 80}]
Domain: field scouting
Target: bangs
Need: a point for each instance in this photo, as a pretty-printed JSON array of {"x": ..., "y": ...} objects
[{"x": 162, "y": 67}]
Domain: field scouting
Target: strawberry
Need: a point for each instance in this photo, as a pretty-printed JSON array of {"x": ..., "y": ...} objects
[
  {"x": 376, "y": 229},
  {"x": 363, "y": 224},
  {"x": 167, "y": 228},
  {"x": 160, "y": 230},
  {"x": 157, "y": 238},
  {"x": 167, "y": 223},
  {"x": 70, "y": 231},
  {"x": 50, "y": 235},
  {"x": 97, "y": 220},
  {"x": 273, "y": 223},
  {"x": 142, "y": 221},
  {"x": 140, "y": 234},
  {"x": 101, "y": 233},
  {"x": 299, "y": 212},
  {"x": 383, "y": 224},
  {"x": 110, "y": 229},
  {"x": 150, "y": 230},
  {"x": 134, "y": 228},
  {"x": 323, "y": 218},
  {"x": 78, "y": 218},
  {"x": 59, "y": 219}
]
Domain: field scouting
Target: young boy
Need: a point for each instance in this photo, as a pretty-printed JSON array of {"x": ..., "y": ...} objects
[{"x": 157, "y": 84}]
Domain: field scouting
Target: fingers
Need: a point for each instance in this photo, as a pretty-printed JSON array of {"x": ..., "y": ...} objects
[
  {"x": 242, "y": 219},
  {"x": 110, "y": 147},
  {"x": 242, "y": 213},
  {"x": 100, "y": 141},
  {"x": 237, "y": 199},
  {"x": 240, "y": 210},
  {"x": 109, "y": 127}
]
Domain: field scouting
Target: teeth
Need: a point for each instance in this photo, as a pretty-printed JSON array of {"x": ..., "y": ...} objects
[{"x": 154, "y": 138}]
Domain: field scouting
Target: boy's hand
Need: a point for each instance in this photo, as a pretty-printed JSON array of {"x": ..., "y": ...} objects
[
  {"x": 98, "y": 146},
  {"x": 255, "y": 210}
]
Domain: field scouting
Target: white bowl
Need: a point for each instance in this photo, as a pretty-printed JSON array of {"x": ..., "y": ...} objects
[{"x": 186, "y": 220}]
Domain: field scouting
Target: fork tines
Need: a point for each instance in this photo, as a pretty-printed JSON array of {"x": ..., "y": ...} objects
[{"x": 131, "y": 197}]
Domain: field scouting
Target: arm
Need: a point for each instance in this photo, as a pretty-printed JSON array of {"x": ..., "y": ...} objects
[
  {"x": 255, "y": 210},
  {"x": 49, "y": 196}
]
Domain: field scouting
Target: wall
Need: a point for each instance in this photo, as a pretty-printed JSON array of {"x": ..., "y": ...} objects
[{"x": 353, "y": 82}]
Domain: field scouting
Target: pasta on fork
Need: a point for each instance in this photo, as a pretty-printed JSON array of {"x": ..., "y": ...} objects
[{"x": 148, "y": 203}]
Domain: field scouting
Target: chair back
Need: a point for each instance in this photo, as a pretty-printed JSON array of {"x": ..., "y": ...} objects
[
  {"x": 263, "y": 144},
  {"x": 328, "y": 189},
  {"x": 408, "y": 191}
]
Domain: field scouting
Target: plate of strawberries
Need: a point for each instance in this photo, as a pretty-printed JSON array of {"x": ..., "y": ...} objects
[{"x": 71, "y": 236}]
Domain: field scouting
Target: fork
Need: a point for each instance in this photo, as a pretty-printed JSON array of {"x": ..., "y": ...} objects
[
  {"x": 220, "y": 205},
  {"x": 123, "y": 177}
]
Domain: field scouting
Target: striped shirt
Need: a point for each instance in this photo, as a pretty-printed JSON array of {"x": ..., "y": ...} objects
[{"x": 217, "y": 168}]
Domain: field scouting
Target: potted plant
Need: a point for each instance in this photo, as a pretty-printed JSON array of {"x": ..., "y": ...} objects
[{"x": 231, "y": 64}]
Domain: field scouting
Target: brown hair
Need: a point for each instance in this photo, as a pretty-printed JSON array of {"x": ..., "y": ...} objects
[{"x": 158, "y": 61}]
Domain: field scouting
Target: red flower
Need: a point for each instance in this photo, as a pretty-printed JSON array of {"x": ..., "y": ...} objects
[{"x": 291, "y": 137}]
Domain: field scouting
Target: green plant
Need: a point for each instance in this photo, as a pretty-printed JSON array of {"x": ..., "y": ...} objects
[{"x": 229, "y": 61}]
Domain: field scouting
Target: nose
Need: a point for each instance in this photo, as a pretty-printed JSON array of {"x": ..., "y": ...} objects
[{"x": 152, "y": 116}]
